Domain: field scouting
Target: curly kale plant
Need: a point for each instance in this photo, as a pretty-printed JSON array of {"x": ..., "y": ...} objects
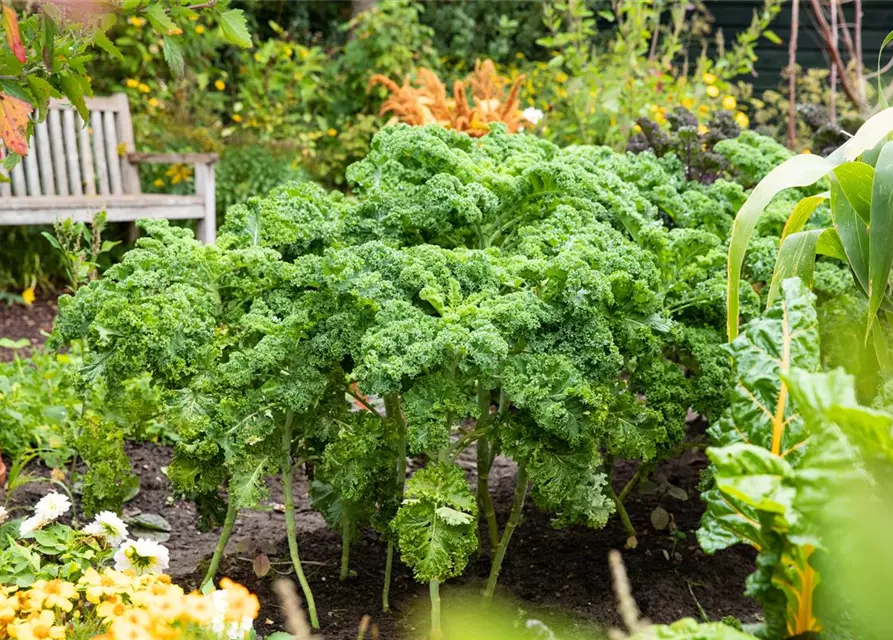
[{"x": 496, "y": 291}]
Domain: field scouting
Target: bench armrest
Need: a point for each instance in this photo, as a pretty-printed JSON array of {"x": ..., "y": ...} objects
[{"x": 172, "y": 158}]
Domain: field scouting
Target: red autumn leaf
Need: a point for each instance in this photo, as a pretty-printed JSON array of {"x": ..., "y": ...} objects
[
  {"x": 14, "y": 123},
  {"x": 11, "y": 24}
]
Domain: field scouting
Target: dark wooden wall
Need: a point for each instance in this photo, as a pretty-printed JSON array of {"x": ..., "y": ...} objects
[{"x": 734, "y": 15}]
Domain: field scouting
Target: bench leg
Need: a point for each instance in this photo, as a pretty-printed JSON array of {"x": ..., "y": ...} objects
[{"x": 204, "y": 186}]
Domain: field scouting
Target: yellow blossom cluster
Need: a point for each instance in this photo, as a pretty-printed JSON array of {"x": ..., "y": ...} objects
[{"x": 124, "y": 606}]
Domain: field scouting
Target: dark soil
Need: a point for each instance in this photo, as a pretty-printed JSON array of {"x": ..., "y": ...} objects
[
  {"x": 18, "y": 321},
  {"x": 556, "y": 575}
]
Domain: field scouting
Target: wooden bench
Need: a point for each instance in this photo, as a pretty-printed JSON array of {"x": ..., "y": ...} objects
[{"x": 73, "y": 171}]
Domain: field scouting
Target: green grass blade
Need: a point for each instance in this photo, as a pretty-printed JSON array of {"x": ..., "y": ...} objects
[
  {"x": 856, "y": 179},
  {"x": 880, "y": 233},
  {"x": 796, "y": 257}
]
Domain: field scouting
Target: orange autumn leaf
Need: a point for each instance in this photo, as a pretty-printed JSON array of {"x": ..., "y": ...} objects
[
  {"x": 11, "y": 25},
  {"x": 14, "y": 123}
]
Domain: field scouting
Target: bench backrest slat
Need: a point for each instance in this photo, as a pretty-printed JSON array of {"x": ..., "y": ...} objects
[
  {"x": 75, "y": 184},
  {"x": 45, "y": 159},
  {"x": 87, "y": 170},
  {"x": 66, "y": 158},
  {"x": 111, "y": 151},
  {"x": 57, "y": 148},
  {"x": 32, "y": 173}
]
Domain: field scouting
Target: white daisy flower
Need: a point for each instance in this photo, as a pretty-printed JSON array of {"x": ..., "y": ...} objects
[
  {"x": 109, "y": 526},
  {"x": 32, "y": 524},
  {"x": 142, "y": 556},
  {"x": 51, "y": 506},
  {"x": 532, "y": 115},
  {"x": 4, "y": 515}
]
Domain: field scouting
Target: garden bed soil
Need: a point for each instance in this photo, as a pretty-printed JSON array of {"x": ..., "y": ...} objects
[
  {"x": 31, "y": 322},
  {"x": 560, "y": 576}
]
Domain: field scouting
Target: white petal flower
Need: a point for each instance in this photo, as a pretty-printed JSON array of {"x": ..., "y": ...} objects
[
  {"x": 51, "y": 506},
  {"x": 532, "y": 115},
  {"x": 4, "y": 515},
  {"x": 109, "y": 526},
  {"x": 32, "y": 524},
  {"x": 142, "y": 556}
]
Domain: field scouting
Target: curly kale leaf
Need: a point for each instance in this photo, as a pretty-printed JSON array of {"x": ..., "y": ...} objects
[
  {"x": 294, "y": 219},
  {"x": 436, "y": 525}
]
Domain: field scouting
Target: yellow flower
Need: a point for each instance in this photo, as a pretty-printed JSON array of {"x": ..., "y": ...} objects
[
  {"x": 28, "y": 296},
  {"x": 709, "y": 78},
  {"x": 53, "y": 594},
  {"x": 742, "y": 120},
  {"x": 332, "y": 133},
  {"x": 807, "y": 152},
  {"x": 637, "y": 129},
  {"x": 220, "y": 84},
  {"x": 143, "y": 87},
  {"x": 713, "y": 91},
  {"x": 729, "y": 103},
  {"x": 41, "y": 627},
  {"x": 688, "y": 103},
  {"x": 237, "y": 117},
  {"x": 136, "y": 22},
  {"x": 199, "y": 29},
  {"x": 704, "y": 109},
  {"x": 158, "y": 182},
  {"x": 240, "y": 603},
  {"x": 153, "y": 102},
  {"x": 703, "y": 129},
  {"x": 132, "y": 83}
]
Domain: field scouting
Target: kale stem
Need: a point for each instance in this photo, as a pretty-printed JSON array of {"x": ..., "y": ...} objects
[
  {"x": 291, "y": 526},
  {"x": 514, "y": 520},
  {"x": 485, "y": 500},
  {"x": 484, "y": 462},
  {"x": 642, "y": 471},
  {"x": 618, "y": 503},
  {"x": 434, "y": 590},
  {"x": 389, "y": 563},
  {"x": 393, "y": 410},
  {"x": 231, "y": 511},
  {"x": 345, "y": 549}
]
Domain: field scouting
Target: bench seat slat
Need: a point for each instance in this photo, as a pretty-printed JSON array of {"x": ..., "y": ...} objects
[
  {"x": 120, "y": 208},
  {"x": 32, "y": 173},
  {"x": 57, "y": 146}
]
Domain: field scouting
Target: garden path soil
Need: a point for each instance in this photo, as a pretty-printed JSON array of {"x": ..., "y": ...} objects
[{"x": 554, "y": 575}]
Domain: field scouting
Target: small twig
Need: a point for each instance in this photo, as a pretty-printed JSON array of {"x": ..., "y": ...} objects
[
  {"x": 830, "y": 45},
  {"x": 792, "y": 71}
]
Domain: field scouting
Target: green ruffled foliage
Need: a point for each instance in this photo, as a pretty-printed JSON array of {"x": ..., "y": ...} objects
[
  {"x": 437, "y": 523},
  {"x": 552, "y": 296}
]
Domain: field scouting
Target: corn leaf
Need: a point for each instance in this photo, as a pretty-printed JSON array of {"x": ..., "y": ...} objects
[
  {"x": 801, "y": 214},
  {"x": 799, "y": 171},
  {"x": 796, "y": 257},
  {"x": 853, "y": 233},
  {"x": 856, "y": 179},
  {"x": 880, "y": 233}
]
